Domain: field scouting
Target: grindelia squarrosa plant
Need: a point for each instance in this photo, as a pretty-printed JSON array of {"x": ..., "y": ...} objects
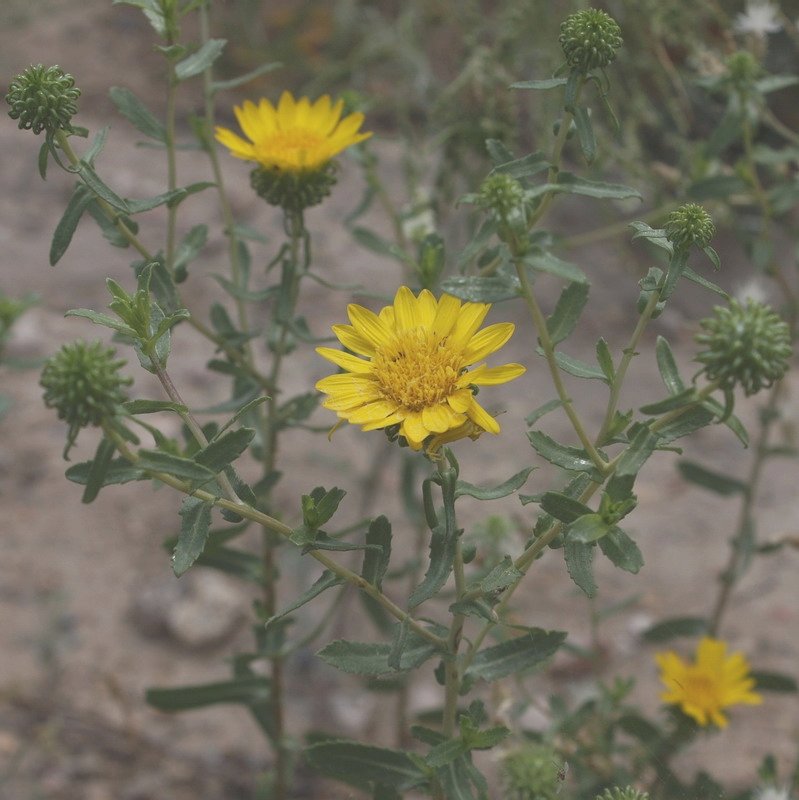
[{"x": 416, "y": 365}]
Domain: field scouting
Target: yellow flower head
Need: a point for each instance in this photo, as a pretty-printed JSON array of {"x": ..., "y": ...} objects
[
  {"x": 410, "y": 368},
  {"x": 712, "y": 683},
  {"x": 297, "y": 136}
]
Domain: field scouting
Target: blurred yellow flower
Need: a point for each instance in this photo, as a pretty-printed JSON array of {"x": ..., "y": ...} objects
[
  {"x": 410, "y": 368},
  {"x": 295, "y": 136},
  {"x": 712, "y": 683}
]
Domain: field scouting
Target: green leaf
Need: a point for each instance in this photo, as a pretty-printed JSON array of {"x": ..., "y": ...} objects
[
  {"x": 708, "y": 479},
  {"x": 196, "y": 515},
  {"x": 523, "y": 167},
  {"x": 99, "y": 465},
  {"x": 515, "y": 655},
  {"x": 102, "y": 319},
  {"x": 62, "y": 236},
  {"x": 668, "y": 366},
  {"x": 367, "y": 658},
  {"x": 773, "y": 83},
  {"x": 93, "y": 181},
  {"x": 117, "y": 471},
  {"x": 716, "y": 187},
  {"x": 320, "y": 505},
  {"x": 673, "y": 627},
  {"x": 137, "y": 113},
  {"x": 621, "y": 550},
  {"x": 327, "y": 580},
  {"x": 190, "y": 247},
  {"x": 605, "y": 360},
  {"x": 184, "y": 698},
  {"x": 551, "y": 264},
  {"x": 362, "y": 765},
  {"x": 696, "y": 278},
  {"x": 495, "y": 492},
  {"x": 375, "y": 559},
  {"x": 580, "y": 565},
  {"x": 638, "y": 451},
  {"x": 499, "y": 578},
  {"x": 774, "y": 681},
  {"x": 642, "y": 729},
  {"x": 233, "y": 83},
  {"x": 151, "y": 9},
  {"x": 445, "y": 752},
  {"x": 534, "y": 416},
  {"x": 544, "y": 83},
  {"x": 563, "y": 507},
  {"x": 688, "y": 422},
  {"x": 588, "y": 528},
  {"x": 201, "y": 60},
  {"x": 561, "y": 455},
  {"x": 585, "y": 133},
  {"x": 442, "y": 556},
  {"x": 232, "y": 561},
  {"x": 655, "y": 236},
  {"x": 186, "y": 468},
  {"x": 225, "y": 449},
  {"x": 573, "y": 184},
  {"x": 97, "y": 145},
  {"x": 485, "y": 289},
  {"x": 568, "y": 309},
  {"x": 377, "y": 244},
  {"x": 576, "y": 367},
  {"x": 134, "y": 407}
]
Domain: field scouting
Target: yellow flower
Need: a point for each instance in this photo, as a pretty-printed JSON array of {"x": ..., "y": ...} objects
[
  {"x": 410, "y": 368},
  {"x": 297, "y": 136},
  {"x": 711, "y": 684}
]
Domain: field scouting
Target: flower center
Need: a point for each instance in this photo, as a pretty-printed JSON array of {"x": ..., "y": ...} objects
[
  {"x": 417, "y": 370},
  {"x": 291, "y": 146},
  {"x": 702, "y": 689}
]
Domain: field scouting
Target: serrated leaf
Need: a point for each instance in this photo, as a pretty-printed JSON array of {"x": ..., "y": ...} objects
[
  {"x": 186, "y": 468},
  {"x": 225, "y": 449},
  {"x": 118, "y": 471},
  {"x": 367, "y": 658},
  {"x": 376, "y": 559},
  {"x": 587, "y": 528},
  {"x": 201, "y": 60},
  {"x": 576, "y": 367},
  {"x": 445, "y": 752},
  {"x": 327, "y": 580},
  {"x": 580, "y": 565},
  {"x": 245, "y": 690},
  {"x": 362, "y": 765},
  {"x": 515, "y": 655},
  {"x": 500, "y": 577},
  {"x": 482, "y": 289},
  {"x": 563, "y": 507},
  {"x": 137, "y": 113},
  {"x": 621, "y": 550},
  {"x": 62, "y": 236},
  {"x": 152, "y": 406},
  {"x": 568, "y": 309},
  {"x": 674, "y": 627},
  {"x": 605, "y": 360},
  {"x": 709, "y": 479},
  {"x": 561, "y": 455},
  {"x": 442, "y": 556},
  {"x": 102, "y": 319},
  {"x": 494, "y": 492},
  {"x": 196, "y": 516},
  {"x": 551, "y": 264},
  {"x": 642, "y": 445},
  {"x": 688, "y": 422}
]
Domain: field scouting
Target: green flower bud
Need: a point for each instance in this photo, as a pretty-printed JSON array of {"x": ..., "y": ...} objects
[
  {"x": 590, "y": 39},
  {"x": 82, "y": 382},
  {"x": 531, "y": 772},
  {"x": 43, "y": 98},
  {"x": 628, "y": 793},
  {"x": 689, "y": 225},
  {"x": 743, "y": 69},
  {"x": 501, "y": 194},
  {"x": 746, "y": 344},
  {"x": 293, "y": 191}
]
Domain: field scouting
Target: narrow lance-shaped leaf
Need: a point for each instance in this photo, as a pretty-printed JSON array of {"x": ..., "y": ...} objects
[
  {"x": 184, "y": 698},
  {"x": 375, "y": 560},
  {"x": 96, "y": 478},
  {"x": 68, "y": 223},
  {"x": 442, "y": 557},
  {"x": 494, "y": 493},
  {"x": 516, "y": 655},
  {"x": 585, "y": 133},
  {"x": 137, "y": 113},
  {"x": 225, "y": 449},
  {"x": 567, "y": 311},
  {"x": 709, "y": 479},
  {"x": 563, "y": 456},
  {"x": 201, "y": 60},
  {"x": 196, "y": 515}
]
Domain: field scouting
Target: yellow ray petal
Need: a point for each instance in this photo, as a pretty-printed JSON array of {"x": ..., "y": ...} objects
[
  {"x": 487, "y": 341},
  {"x": 481, "y": 417},
  {"x": 438, "y": 418},
  {"x": 345, "y": 360},
  {"x": 413, "y": 428},
  {"x": 369, "y": 325},
  {"x": 371, "y": 413},
  {"x": 405, "y": 315},
  {"x": 446, "y": 315},
  {"x": 352, "y": 340},
  {"x": 470, "y": 318}
]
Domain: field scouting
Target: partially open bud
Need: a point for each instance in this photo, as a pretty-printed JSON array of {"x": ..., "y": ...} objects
[
  {"x": 82, "y": 382},
  {"x": 743, "y": 69},
  {"x": 746, "y": 344},
  {"x": 43, "y": 99},
  {"x": 627, "y": 793},
  {"x": 531, "y": 772},
  {"x": 689, "y": 225},
  {"x": 590, "y": 39}
]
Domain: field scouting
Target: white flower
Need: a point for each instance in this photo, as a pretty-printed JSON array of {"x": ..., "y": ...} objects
[
  {"x": 759, "y": 18},
  {"x": 772, "y": 793}
]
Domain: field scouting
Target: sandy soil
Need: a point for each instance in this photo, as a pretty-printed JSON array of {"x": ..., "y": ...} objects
[{"x": 76, "y": 650}]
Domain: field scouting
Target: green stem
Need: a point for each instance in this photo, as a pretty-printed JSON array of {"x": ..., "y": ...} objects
[
  {"x": 171, "y": 164},
  {"x": 283, "y": 530},
  {"x": 547, "y": 345}
]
